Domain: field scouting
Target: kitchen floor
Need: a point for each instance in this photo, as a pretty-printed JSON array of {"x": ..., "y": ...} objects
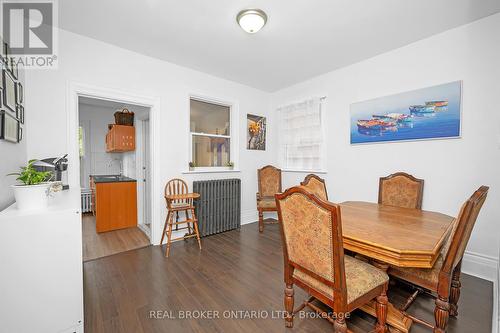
[{"x": 108, "y": 243}]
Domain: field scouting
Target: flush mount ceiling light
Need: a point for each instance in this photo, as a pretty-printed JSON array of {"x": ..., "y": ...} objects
[{"x": 251, "y": 20}]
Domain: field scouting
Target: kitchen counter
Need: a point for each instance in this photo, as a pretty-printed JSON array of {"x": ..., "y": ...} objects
[{"x": 111, "y": 179}]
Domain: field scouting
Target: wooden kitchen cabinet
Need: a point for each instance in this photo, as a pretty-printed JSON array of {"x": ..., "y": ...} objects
[
  {"x": 120, "y": 138},
  {"x": 115, "y": 205}
]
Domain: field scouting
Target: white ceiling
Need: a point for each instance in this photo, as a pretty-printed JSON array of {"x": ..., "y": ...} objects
[{"x": 302, "y": 39}]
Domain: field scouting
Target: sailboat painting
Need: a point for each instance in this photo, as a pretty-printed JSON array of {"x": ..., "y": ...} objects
[{"x": 423, "y": 114}]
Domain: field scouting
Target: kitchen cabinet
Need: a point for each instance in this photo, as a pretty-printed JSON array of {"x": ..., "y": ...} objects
[
  {"x": 115, "y": 202},
  {"x": 120, "y": 138}
]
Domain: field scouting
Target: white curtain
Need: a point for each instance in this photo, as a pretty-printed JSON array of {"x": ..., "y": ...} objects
[{"x": 301, "y": 136}]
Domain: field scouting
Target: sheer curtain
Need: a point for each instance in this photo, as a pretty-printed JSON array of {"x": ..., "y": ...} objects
[{"x": 301, "y": 136}]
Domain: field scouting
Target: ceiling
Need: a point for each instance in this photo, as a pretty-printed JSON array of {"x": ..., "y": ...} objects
[{"x": 302, "y": 39}]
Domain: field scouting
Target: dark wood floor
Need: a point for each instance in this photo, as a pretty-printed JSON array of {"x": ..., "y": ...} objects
[{"x": 236, "y": 271}]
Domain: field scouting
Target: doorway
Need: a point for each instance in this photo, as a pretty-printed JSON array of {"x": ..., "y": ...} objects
[{"x": 110, "y": 179}]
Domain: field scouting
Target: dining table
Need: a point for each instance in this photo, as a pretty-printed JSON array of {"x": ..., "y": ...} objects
[{"x": 388, "y": 235}]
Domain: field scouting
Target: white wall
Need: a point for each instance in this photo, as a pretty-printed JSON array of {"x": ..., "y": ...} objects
[
  {"x": 452, "y": 169},
  {"x": 88, "y": 61},
  {"x": 13, "y": 156}
]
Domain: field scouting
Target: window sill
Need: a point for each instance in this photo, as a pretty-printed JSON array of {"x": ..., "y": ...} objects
[
  {"x": 211, "y": 171},
  {"x": 304, "y": 171}
]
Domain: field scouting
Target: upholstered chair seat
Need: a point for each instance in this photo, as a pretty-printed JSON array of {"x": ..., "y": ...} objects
[
  {"x": 361, "y": 278},
  {"x": 266, "y": 203},
  {"x": 426, "y": 277}
]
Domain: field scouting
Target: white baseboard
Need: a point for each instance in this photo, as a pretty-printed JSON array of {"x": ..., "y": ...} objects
[
  {"x": 481, "y": 266},
  {"x": 252, "y": 215}
]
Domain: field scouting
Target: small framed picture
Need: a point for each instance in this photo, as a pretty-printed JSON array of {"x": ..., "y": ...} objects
[
  {"x": 20, "y": 113},
  {"x": 13, "y": 68},
  {"x": 9, "y": 91},
  {"x": 9, "y": 130},
  {"x": 20, "y": 134},
  {"x": 20, "y": 93}
]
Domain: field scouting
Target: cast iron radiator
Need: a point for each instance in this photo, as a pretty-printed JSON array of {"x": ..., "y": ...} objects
[{"x": 219, "y": 207}]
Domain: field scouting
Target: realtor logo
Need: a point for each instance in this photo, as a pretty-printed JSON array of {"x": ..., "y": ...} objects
[{"x": 29, "y": 31}]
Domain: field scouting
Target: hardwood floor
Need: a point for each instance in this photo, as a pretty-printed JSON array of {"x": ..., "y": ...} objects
[
  {"x": 107, "y": 243},
  {"x": 236, "y": 271}
]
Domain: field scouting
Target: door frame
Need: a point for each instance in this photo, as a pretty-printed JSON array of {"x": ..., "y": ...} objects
[
  {"x": 139, "y": 160},
  {"x": 76, "y": 90}
]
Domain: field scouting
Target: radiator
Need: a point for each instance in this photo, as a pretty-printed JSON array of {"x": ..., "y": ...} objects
[
  {"x": 219, "y": 207},
  {"x": 86, "y": 200}
]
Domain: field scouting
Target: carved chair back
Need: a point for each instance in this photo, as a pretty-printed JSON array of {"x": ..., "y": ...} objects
[
  {"x": 311, "y": 233},
  {"x": 174, "y": 187},
  {"x": 460, "y": 235},
  {"x": 269, "y": 181},
  {"x": 402, "y": 190},
  {"x": 315, "y": 185}
]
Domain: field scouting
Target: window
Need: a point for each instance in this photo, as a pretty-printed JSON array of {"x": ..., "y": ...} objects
[
  {"x": 301, "y": 146},
  {"x": 210, "y": 127}
]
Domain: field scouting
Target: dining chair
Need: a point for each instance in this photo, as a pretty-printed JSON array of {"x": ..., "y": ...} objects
[
  {"x": 311, "y": 234},
  {"x": 315, "y": 185},
  {"x": 269, "y": 182},
  {"x": 443, "y": 280},
  {"x": 402, "y": 190},
  {"x": 175, "y": 187}
]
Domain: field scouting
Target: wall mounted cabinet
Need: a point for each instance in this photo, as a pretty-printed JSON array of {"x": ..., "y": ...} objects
[{"x": 120, "y": 138}]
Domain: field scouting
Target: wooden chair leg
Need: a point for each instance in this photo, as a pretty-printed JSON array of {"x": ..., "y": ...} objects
[
  {"x": 169, "y": 236},
  {"x": 455, "y": 291},
  {"x": 261, "y": 221},
  {"x": 441, "y": 314},
  {"x": 165, "y": 228},
  {"x": 289, "y": 299},
  {"x": 195, "y": 226},
  {"x": 340, "y": 325},
  {"x": 381, "y": 310},
  {"x": 190, "y": 230}
]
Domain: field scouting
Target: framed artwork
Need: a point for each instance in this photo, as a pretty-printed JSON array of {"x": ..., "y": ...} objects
[
  {"x": 9, "y": 127},
  {"x": 20, "y": 93},
  {"x": 9, "y": 91},
  {"x": 20, "y": 134},
  {"x": 256, "y": 132},
  {"x": 20, "y": 113},
  {"x": 3, "y": 51},
  {"x": 423, "y": 114}
]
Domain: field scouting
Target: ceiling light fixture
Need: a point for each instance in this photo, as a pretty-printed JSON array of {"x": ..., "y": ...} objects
[{"x": 251, "y": 20}]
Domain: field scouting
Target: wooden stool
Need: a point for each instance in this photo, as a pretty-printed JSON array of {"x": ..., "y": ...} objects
[{"x": 178, "y": 200}]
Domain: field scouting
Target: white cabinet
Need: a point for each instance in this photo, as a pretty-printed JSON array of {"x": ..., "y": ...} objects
[{"x": 41, "y": 274}]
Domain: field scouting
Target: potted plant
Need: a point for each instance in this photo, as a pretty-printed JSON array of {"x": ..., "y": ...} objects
[
  {"x": 230, "y": 165},
  {"x": 35, "y": 187},
  {"x": 192, "y": 165}
]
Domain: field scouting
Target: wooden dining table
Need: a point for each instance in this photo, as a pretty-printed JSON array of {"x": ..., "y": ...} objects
[{"x": 388, "y": 235}]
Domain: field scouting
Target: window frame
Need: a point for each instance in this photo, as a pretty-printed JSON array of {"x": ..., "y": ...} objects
[{"x": 233, "y": 134}]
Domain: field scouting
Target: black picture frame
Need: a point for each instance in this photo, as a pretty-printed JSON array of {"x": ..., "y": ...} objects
[
  {"x": 13, "y": 69},
  {"x": 19, "y": 93},
  {"x": 20, "y": 113},
  {"x": 19, "y": 133},
  {"x": 9, "y": 101},
  {"x": 4, "y": 54},
  {"x": 10, "y": 127}
]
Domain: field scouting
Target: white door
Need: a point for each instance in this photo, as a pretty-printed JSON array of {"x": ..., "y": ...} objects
[{"x": 146, "y": 174}]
